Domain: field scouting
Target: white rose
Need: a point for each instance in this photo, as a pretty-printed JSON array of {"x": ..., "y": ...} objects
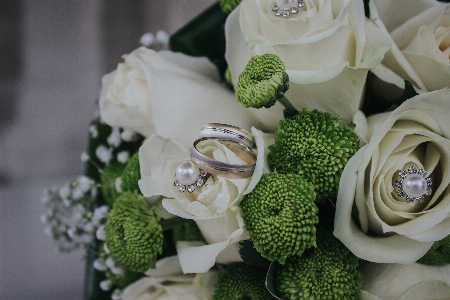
[
  {"x": 421, "y": 44},
  {"x": 168, "y": 93},
  {"x": 404, "y": 282},
  {"x": 371, "y": 220},
  {"x": 214, "y": 206},
  {"x": 168, "y": 282},
  {"x": 327, "y": 49}
]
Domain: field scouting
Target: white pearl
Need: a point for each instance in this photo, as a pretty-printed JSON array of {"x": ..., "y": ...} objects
[
  {"x": 286, "y": 3},
  {"x": 187, "y": 173},
  {"x": 414, "y": 185}
]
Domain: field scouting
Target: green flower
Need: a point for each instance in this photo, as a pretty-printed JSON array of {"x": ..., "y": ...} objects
[
  {"x": 133, "y": 232},
  {"x": 131, "y": 175},
  {"x": 241, "y": 282},
  {"x": 331, "y": 273},
  {"x": 228, "y": 6},
  {"x": 280, "y": 215},
  {"x": 263, "y": 81},
  {"x": 109, "y": 177},
  {"x": 117, "y": 279},
  {"x": 439, "y": 253},
  {"x": 313, "y": 145}
]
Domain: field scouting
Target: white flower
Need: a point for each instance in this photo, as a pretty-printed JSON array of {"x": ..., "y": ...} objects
[
  {"x": 114, "y": 138},
  {"x": 327, "y": 48},
  {"x": 93, "y": 130},
  {"x": 147, "y": 39},
  {"x": 103, "y": 153},
  {"x": 127, "y": 135},
  {"x": 405, "y": 282},
  {"x": 420, "y": 43},
  {"x": 105, "y": 285},
  {"x": 168, "y": 93},
  {"x": 167, "y": 281},
  {"x": 99, "y": 265},
  {"x": 100, "y": 233},
  {"x": 371, "y": 220},
  {"x": 123, "y": 156},
  {"x": 213, "y": 206},
  {"x": 118, "y": 184}
]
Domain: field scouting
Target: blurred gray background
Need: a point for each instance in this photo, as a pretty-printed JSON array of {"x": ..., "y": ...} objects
[{"x": 53, "y": 54}]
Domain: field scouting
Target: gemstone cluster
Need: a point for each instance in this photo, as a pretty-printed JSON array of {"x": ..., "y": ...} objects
[
  {"x": 285, "y": 8},
  {"x": 413, "y": 184},
  {"x": 188, "y": 177}
]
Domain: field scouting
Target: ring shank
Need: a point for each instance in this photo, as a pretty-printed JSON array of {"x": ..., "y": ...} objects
[
  {"x": 221, "y": 168},
  {"x": 224, "y": 131}
]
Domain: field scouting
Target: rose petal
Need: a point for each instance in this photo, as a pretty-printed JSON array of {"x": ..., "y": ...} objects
[{"x": 396, "y": 281}]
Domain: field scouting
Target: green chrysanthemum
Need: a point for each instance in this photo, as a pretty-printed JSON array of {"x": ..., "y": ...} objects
[
  {"x": 118, "y": 279},
  {"x": 131, "y": 175},
  {"x": 263, "y": 81},
  {"x": 133, "y": 232},
  {"x": 228, "y": 6},
  {"x": 439, "y": 253},
  {"x": 313, "y": 145},
  {"x": 241, "y": 281},
  {"x": 280, "y": 215},
  {"x": 330, "y": 274},
  {"x": 108, "y": 182}
]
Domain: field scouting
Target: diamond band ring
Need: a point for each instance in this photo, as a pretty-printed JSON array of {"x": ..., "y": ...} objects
[
  {"x": 229, "y": 132},
  {"x": 223, "y": 169}
]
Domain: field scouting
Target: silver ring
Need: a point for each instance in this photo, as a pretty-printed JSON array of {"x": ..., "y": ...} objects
[
  {"x": 219, "y": 168},
  {"x": 229, "y": 132}
]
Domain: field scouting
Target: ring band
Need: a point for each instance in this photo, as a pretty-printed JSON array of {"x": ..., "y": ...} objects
[
  {"x": 229, "y": 132},
  {"x": 215, "y": 167}
]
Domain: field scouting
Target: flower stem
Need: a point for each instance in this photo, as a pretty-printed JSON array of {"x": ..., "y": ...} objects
[{"x": 286, "y": 103}]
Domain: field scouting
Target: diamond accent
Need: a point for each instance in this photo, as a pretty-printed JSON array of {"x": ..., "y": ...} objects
[
  {"x": 176, "y": 183},
  {"x": 402, "y": 174},
  {"x": 420, "y": 199},
  {"x": 412, "y": 170},
  {"x": 398, "y": 183},
  {"x": 181, "y": 188},
  {"x": 199, "y": 182},
  {"x": 422, "y": 172},
  {"x": 191, "y": 188},
  {"x": 286, "y": 12},
  {"x": 401, "y": 193}
]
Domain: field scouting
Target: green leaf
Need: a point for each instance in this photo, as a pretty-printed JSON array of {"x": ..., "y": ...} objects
[
  {"x": 270, "y": 280},
  {"x": 203, "y": 36},
  {"x": 366, "y": 8},
  {"x": 249, "y": 254},
  {"x": 374, "y": 103},
  {"x": 92, "y": 279}
]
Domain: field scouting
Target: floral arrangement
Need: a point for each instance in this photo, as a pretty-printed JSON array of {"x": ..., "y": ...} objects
[{"x": 281, "y": 149}]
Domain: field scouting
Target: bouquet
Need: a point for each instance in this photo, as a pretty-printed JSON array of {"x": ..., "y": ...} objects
[{"x": 281, "y": 149}]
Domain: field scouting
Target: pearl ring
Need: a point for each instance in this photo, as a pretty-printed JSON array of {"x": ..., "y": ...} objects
[
  {"x": 284, "y": 8},
  {"x": 413, "y": 185}
]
